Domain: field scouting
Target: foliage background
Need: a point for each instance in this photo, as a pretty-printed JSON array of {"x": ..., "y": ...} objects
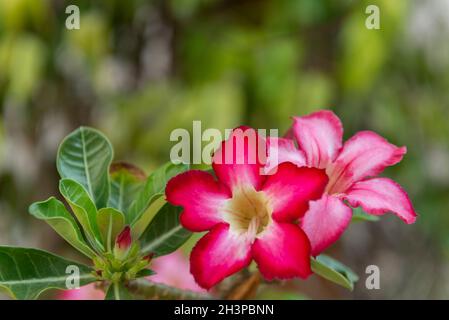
[{"x": 138, "y": 69}]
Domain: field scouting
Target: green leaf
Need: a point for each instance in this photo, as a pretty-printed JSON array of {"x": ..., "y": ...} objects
[
  {"x": 164, "y": 234},
  {"x": 110, "y": 222},
  {"x": 83, "y": 208},
  {"x": 56, "y": 215},
  {"x": 26, "y": 272},
  {"x": 145, "y": 273},
  {"x": 334, "y": 271},
  {"x": 359, "y": 215},
  {"x": 126, "y": 182},
  {"x": 153, "y": 189},
  {"x": 140, "y": 225},
  {"x": 117, "y": 291},
  {"x": 84, "y": 156}
]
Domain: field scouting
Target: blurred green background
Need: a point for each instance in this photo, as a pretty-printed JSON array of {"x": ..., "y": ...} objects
[{"x": 139, "y": 69}]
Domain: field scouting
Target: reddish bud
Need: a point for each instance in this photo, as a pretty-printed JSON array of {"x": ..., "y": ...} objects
[
  {"x": 149, "y": 257},
  {"x": 123, "y": 241}
]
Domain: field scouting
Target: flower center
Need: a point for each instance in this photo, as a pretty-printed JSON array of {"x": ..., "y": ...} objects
[
  {"x": 337, "y": 182},
  {"x": 248, "y": 210}
]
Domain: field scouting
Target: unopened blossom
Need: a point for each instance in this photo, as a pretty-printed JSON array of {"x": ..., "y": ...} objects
[
  {"x": 123, "y": 243},
  {"x": 248, "y": 215},
  {"x": 352, "y": 169}
]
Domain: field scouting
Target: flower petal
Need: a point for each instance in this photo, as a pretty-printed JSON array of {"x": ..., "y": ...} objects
[
  {"x": 201, "y": 196},
  {"x": 365, "y": 154},
  {"x": 291, "y": 188},
  {"x": 219, "y": 254},
  {"x": 282, "y": 251},
  {"x": 282, "y": 150},
  {"x": 320, "y": 136},
  {"x": 241, "y": 158},
  {"x": 325, "y": 221},
  {"x": 380, "y": 195}
]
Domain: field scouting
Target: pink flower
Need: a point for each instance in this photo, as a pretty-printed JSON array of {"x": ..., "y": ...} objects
[
  {"x": 87, "y": 292},
  {"x": 349, "y": 167},
  {"x": 248, "y": 215},
  {"x": 173, "y": 270}
]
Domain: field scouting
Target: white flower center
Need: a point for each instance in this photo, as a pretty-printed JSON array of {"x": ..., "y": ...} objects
[{"x": 248, "y": 211}]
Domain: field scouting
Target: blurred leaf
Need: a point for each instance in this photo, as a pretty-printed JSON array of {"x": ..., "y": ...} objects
[
  {"x": 165, "y": 234},
  {"x": 92, "y": 39},
  {"x": 276, "y": 294},
  {"x": 83, "y": 208},
  {"x": 126, "y": 182},
  {"x": 145, "y": 273},
  {"x": 359, "y": 215},
  {"x": 25, "y": 273},
  {"x": 84, "y": 156},
  {"x": 110, "y": 223},
  {"x": 368, "y": 47},
  {"x": 334, "y": 271},
  {"x": 25, "y": 67},
  {"x": 56, "y": 215}
]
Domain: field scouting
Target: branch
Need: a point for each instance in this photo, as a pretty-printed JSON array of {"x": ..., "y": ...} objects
[{"x": 151, "y": 290}]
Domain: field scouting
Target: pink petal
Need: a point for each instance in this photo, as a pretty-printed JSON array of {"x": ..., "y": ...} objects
[
  {"x": 241, "y": 158},
  {"x": 291, "y": 188},
  {"x": 365, "y": 154},
  {"x": 380, "y": 195},
  {"x": 325, "y": 222},
  {"x": 282, "y": 251},
  {"x": 282, "y": 150},
  {"x": 219, "y": 254},
  {"x": 201, "y": 196},
  {"x": 87, "y": 292},
  {"x": 319, "y": 135},
  {"x": 173, "y": 270}
]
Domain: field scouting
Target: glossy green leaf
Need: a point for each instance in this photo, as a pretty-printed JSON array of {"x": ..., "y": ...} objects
[
  {"x": 84, "y": 156},
  {"x": 145, "y": 273},
  {"x": 126, "y": 182},
  {"x": 334, "y": 271},
  {"x": 83, "y": 208},
  {"x": 56, "y": 215},
  {"x": 118, "y": 291},
  {"x": 140, "y": 225},
  {"x": 153, "y": 189},
  {"x": 164, "y": 234},
  {"x": 359, "y": 215},
  {"x": 26, "y": 272},
  {"x": 110, "y": 223}
]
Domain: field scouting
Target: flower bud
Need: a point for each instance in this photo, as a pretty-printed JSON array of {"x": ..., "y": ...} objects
[
  {"x": 149, "y": 257},
  {"x": 123, "y": 243}
]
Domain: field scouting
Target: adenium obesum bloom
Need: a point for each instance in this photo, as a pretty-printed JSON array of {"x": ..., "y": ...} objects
[
  {"x": 350, "y": 167},
  {"x": 249, "y": 215},
  {"x": 173, "y": 270},
  {"x": 87, "y": 292}
]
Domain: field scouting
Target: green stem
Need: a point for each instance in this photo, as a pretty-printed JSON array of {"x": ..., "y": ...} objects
[
  {"x": 151, "y": 290},
  {"x": 116, "y": 291}
]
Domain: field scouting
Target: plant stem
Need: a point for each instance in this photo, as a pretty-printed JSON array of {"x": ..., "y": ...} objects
[{"x": 151, "y": 290}]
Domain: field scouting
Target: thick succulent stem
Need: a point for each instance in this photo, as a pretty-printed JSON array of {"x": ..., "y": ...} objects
[{"x": 150, "y": 290}]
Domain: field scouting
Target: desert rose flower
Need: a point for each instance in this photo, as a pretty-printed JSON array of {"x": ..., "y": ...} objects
[
  {"x": 350, "y": 167},
  {"x": 249, "y": 215},
  {"x": 173, "y": 270},
  {"x": 88, "y": 292}
]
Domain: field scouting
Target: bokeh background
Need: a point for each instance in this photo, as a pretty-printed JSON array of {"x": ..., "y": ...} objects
[{"x": 139, "y": 69}]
